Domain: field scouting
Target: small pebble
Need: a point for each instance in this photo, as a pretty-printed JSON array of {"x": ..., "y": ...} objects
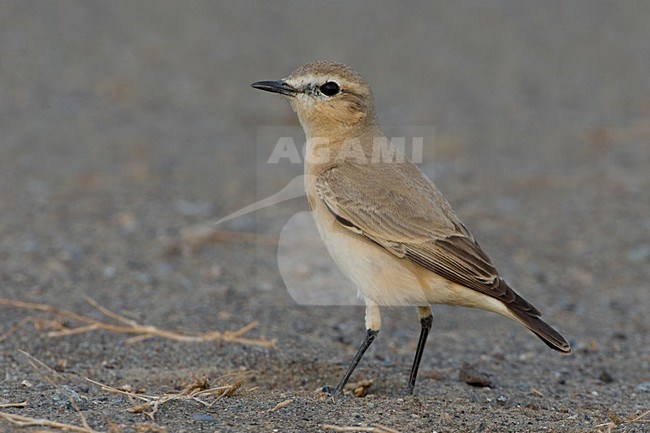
[
  {"x": 110, "y": 271},
  {"x": 64, "y": 396},
  {"x": 606, "y": 377},
  {"x": 471, "y": 376},
  {"x": 201, "y": 417},
  {"x": 643, "y": 387}
]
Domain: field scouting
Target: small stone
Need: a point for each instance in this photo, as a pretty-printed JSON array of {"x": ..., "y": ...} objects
[
  {"x": 433, "y": 375},
  {"x": 61, "y": 365},
  {"x": 471, "y": 376},
  {"x": 110, "y": 272},
  {"x": 606, "y": 377},
  {"x": 201, "y": 417},
  {"x": 68, "y": 398},
  {"x": 643, "y": 387},
  {"x": 360, "y": 388}
]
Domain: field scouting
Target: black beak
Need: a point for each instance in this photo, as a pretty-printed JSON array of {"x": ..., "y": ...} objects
[{"x": 279, "y": 86}]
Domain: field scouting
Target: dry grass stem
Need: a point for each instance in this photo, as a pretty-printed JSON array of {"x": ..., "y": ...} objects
[
  {"x": 281, "y": 405},
  {"x": 25, "y": 421},
  {"x": 128, "y": 326},
  {"x": 21, "y": 404},
  {"x": 49, "y": 374},
  {"x": 130, "y": 394},
  {"x": 148, "y": 427},
  {"x": 616, "y": 421},
  {"x": 376, "y": 428},
  {"x": 196, "y": 391},
  {"x": 14, "y": 328},
  {"x": 52, "y": 377}
]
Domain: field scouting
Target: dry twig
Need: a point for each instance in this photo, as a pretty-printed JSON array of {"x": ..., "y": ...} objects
[
  {"x": 25, "y": 421},
  {"x": 52, "y": 377},
  {"x": 281, "y": 405},
  {"x": 128, "y": 326},
  {"x": 14, "y": 328},
  {"x": 615, "y": 422},
  {"x": 376, "y": 428},
  {"x": 149, "y": 427},
  {"x": 49, "y": 374},
  {"x": 191, "y": 392},
  {"x": 21, "y": 404}
]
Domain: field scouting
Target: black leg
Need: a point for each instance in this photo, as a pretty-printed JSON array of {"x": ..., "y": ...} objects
[
  {"x": 370, "y": 336},
  {"x": 424, "y": 332}
]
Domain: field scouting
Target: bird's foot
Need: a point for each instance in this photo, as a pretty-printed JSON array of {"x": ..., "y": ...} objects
[{"x": 331, "y": 391}]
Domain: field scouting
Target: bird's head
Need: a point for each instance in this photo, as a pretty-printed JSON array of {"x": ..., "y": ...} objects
[{"x": 329, "y": 98}]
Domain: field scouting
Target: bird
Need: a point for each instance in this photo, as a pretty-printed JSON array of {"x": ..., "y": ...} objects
[{"x": 383, "y": 221}]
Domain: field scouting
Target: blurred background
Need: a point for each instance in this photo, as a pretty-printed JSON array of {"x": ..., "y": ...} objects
[
  {"x": 123, "y": 124},
  {"x": 140, "y": 117}
]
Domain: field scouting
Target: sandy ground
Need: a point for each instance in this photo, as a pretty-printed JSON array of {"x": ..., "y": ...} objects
[{"x": 125, "y": 126}]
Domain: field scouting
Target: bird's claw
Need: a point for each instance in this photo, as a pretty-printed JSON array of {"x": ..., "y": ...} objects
[{"x": 330, "y": 391}]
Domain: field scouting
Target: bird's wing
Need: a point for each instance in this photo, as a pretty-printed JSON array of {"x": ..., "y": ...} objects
[{"x": 397, "y": 207}]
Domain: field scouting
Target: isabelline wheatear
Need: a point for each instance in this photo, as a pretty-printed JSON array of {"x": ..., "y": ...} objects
[{"x": 383, "y": 221}]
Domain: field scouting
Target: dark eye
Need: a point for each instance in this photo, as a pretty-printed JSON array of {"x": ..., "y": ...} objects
[{"x": 330, "y": 88}]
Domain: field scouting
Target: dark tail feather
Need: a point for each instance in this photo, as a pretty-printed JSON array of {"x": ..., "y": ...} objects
[{"x": 550, "y": 336}]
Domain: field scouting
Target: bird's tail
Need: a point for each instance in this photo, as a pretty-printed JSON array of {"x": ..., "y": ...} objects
[{"x": 550, "y": 336}]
